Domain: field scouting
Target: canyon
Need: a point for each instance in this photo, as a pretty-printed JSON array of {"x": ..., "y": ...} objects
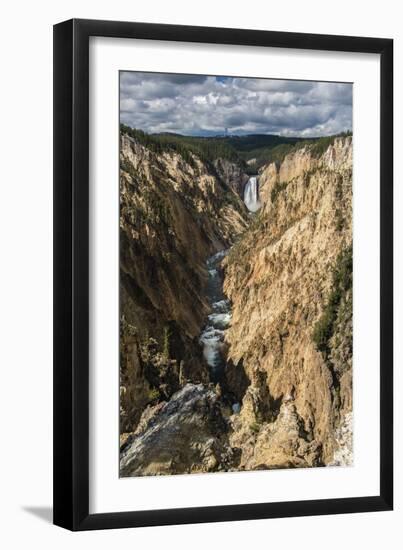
[{"x": 236, "y": 309}]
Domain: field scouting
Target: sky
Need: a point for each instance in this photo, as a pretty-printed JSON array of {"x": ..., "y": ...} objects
[{"x": 212, "y": 105}]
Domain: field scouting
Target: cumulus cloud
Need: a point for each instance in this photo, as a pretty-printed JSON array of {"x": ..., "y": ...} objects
[{"x": 207, "y": 105}]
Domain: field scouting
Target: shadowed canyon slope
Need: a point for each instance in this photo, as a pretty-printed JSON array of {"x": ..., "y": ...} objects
[
  {"x": 285, "y": 399},
  {"x": 174, "y": 213}
]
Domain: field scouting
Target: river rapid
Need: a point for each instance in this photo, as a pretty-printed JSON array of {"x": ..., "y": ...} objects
[{"x": 212, "y": 336}]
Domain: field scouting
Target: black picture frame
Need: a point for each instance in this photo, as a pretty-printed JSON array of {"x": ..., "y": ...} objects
[{"x": 71, "y": 274}]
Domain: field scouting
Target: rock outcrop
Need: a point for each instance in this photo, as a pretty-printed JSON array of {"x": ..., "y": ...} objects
[
  {"x": 188, "y": 434},
  {"x": 232, "y": 174}
]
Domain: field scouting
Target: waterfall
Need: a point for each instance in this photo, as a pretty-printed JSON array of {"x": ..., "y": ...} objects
[{"x": 250, "y": 196}]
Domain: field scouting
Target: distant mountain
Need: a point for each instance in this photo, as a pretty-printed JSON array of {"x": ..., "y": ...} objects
[{"x": 256, "y": 141}]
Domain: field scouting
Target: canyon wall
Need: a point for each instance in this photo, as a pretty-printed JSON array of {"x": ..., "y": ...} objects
[
  {"x": 174, "y": 213},
  {"x": 289, "y": 278},
  {"x": 232, "y": 174}
]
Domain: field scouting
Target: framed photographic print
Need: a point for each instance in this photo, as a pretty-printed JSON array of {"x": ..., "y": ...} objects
[{"x": 223, "y": 322}]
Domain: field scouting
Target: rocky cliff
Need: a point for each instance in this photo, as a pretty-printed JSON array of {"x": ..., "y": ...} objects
[
  {"x": 232, "y": 174},
  {"x": 175, "y": 211},
  {"x": 188, "y": 434},
  {"x": 289, "y": 279}
]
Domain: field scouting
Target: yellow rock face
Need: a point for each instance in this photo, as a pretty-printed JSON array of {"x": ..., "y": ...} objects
[{"x": 278, "y": 278}]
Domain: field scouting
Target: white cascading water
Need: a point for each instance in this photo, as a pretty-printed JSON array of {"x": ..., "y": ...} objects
[
  {"x": 212, "y": 337},
  {"x": 250, "y": 196}
]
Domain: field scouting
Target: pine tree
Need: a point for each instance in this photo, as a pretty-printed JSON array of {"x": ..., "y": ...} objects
[{"x": 165, "y": 345}]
